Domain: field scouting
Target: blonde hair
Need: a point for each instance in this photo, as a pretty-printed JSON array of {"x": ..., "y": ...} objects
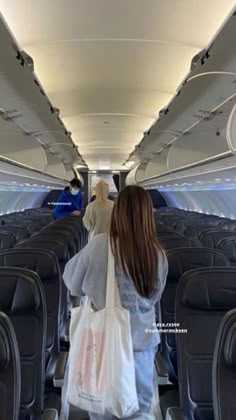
[{"x": 102, "y": 191}]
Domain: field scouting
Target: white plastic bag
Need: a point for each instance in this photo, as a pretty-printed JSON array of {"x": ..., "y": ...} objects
[{"x": 101, "y": 364}]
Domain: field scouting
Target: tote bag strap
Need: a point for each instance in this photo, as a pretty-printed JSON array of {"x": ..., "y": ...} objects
[
  {"x": 84, "y": 301},
  {"x": 112, "y": 291}
]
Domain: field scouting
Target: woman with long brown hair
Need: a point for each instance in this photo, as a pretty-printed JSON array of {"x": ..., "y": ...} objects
[{"x": 141, "y": 271}]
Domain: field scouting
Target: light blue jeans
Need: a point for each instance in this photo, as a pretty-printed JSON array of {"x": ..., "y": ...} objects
[{"x": 144, "y": 371}]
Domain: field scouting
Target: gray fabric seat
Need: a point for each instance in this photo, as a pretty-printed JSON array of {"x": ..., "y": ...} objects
[
  {"x": 10, "y": 373},
  {"x": 203, "y": 297},
  {"x": 180, "y": 261},
  {"x": 224, "y": 369}
]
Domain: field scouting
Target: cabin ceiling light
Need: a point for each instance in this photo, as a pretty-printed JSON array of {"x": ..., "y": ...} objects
[{"x": 104, "y": 165}]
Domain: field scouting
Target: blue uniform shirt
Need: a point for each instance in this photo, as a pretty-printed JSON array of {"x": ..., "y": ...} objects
[{"x": 67, "y": 203}]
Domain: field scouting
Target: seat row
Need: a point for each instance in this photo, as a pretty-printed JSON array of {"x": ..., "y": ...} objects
[
  {"x": 33, "y": 296},
  {"x": 197, "y": 235},
  {"x": 22, "y": 300},
  {"x": 20, "y": 225},
  {"x": 205, "y": 359},
  {"x": 179, "y": 219},
  {"x": 200, "y": 289},
  {"x": 45, "y": 254}
]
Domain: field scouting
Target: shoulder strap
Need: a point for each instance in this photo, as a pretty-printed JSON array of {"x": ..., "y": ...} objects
[{"x": 112, "y": 292}]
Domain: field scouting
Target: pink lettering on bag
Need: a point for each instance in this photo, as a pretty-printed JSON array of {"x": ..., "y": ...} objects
[{"x": 90, "y": 372}]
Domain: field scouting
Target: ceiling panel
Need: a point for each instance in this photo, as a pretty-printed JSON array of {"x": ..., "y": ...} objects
[
  {"x": 121, "y": 64},
  {"x": 110, "y": 65},
  {"x": 171, "y": 20},
  {"x": 89, "y": 100}
]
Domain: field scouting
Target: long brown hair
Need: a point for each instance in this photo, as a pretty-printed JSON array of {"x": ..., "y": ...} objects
[{"x": 133, "y": 238}]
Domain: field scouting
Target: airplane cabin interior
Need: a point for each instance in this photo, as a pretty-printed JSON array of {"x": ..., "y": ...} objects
[{"x": 133, "y": 92}]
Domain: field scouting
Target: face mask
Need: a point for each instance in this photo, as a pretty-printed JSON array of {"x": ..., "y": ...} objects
[{"x": 74, "y": 192}]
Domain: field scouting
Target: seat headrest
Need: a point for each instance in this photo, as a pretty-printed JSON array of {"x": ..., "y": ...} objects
[
  {"x": 228, "y": 246},
  {"x": 19, "y": 291},
  {"x": 230, "y": 224},
  {"x": 56, "y": 247},
  {"x": 209, "y": 288},
  {"x": 185, "y": 259},
  {"x": 6, "y": 240},
  {"x": 215, "y": 236},
  {"x": 4, "y": 349},
  {"x": 181, "y": 240},
  {"x": 230, "y": 347},
  {"x": 41, "y": 261}
]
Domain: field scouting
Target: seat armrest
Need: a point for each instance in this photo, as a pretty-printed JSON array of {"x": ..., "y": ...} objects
[
  {"x": 67, "y": 332},
  {"x": 58, "y": 379},
  {"x": 163, "y": 377},
  {"x": 50, "y": 414},
  {"x": 175, "y": 413}
]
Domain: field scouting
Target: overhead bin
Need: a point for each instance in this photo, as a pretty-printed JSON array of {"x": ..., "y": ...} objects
[
  {"x": 141, "y": 172},
  {"x": 157, "y": 165},
  {"x": 195, "y": 149},
  {"x": 28, "y": 114},
  {"x": 130, "y": 179},
  {"x": 192, "y": 128},
  {"x": 54, "y": 165},
  {"x": 13, "y": 174},
  {"x": 207, "y": 140},
  {"x": 70, "y": 173},
  {"x": 231, "y": 129},
  {"x": 17, "y": 146}
]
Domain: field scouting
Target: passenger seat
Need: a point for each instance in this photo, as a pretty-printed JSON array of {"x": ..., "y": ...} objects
[
  {"x": 61, "y": 252},
  {"x": 228, "y": 247},
  {"x": 45, "y": 264},
  {"x": 211, "y": 238},
  {"x": 18, "y": 231},
  {"x": 180, "y": 261},
  {"x": 7, "y": 240},
  {"x": 10, "y": 373},
  {"x": 224, "y": 369},
  {"x": 204, "y": 295},
  {"x": 22, "y": 299},
  {"x": 174, "y": 242}
]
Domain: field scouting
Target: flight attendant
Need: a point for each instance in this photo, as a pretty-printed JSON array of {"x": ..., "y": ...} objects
[{"x": 70, "y": 202}]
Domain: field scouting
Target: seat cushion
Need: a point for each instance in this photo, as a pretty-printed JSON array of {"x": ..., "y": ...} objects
[
  {"x": 169, "y": 399},
  {"x": 52, "y": 400}
]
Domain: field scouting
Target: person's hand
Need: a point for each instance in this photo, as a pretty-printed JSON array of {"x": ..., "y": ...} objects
[{"x": 75, "y": 213}]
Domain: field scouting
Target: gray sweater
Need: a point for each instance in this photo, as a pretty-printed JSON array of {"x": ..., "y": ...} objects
[{"x": 85, "y": 274}]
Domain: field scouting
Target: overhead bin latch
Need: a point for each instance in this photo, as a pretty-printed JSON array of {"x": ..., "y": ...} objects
[
  {"x": 163, "y": 111},
  {"x": 9, "y": 115},
  {"x": 199, "y": 58},
  {"x": 27, "y": 59},
  {"x": 196, "y": 59}
]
